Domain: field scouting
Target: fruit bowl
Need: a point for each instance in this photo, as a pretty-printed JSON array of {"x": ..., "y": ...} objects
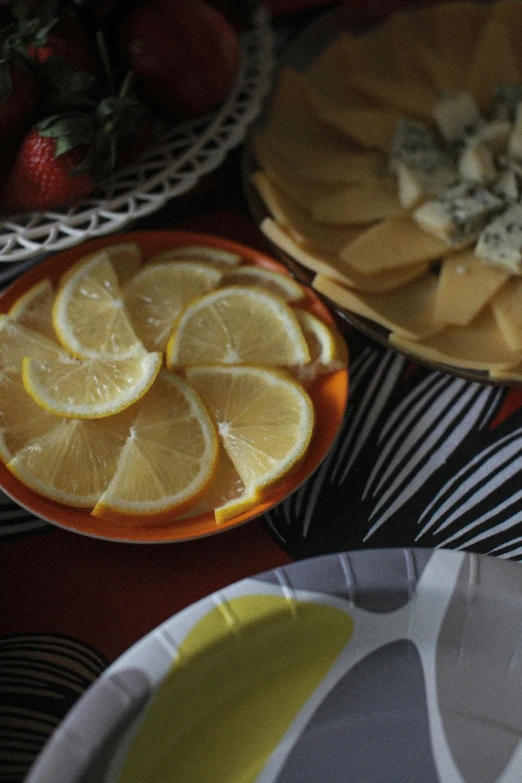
[
  {"x": 328, "y": 393},
  {"x": 183, "y": 154}
]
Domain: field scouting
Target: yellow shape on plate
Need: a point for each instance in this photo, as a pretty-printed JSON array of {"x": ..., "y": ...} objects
[
  {"x": 457, "y": 27},
  {"x": 408, "y": 311},
  {"x": 89, "y": 388},
  {"x": 34, "y": 309},
  {"x": 406, "y": 98},
  {"x": 155, "y": 297},
  {"x": 331, "y": 265},
  {"x": 88, "y": 313},
  {"x": 21, "y": 419},
  {"x": 371, "y": 55},
  {"x": 237, "y": 325},
  {"x": 267, "y": 279},
  {"x": 507, "y": 309},
  {"x": 73, "y": 461},
  {"x": 404, "y": 36},
  {"x": 169, "y": 458},
  {"x": 479, "y": 346},
  {"x": 494, "y": 63},
  {"x": 298, "y": 222},
  {"x": 356, "y": 204},
  {"x": 392, "y": 244},
  {"x": 205, "y": 254},
  {"x": 18, "y": 341},
  {"x": 465, "y": 286},
  {"x": 230, "y": 697},
  {"x": 264, "y": 419},
  {"x": 328, "y": 349}
]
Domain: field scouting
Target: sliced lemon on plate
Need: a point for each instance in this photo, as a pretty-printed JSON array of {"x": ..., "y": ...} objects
[
  {"x": 224, "y": 259},
  {"x": 328, "y": 349},
  {"x": 74, "y": 461},
  {"x": 279, "y": 284},
  {"x": 264, "y": 419},
  {"x": 155, "y": 297},
  {"x": 89, "y": 388},
  {"x": 17, "y": 341},
  {"x": 169, "y": 459},
  {"x": 88, "y": 313},
  {"x": 34, "y": 309},
  {"x": 237, "y": 325},
  {"x": 125, "y": 257},
  {"x": 227, "y": 496},
  {"x": 21, "y": 418}
]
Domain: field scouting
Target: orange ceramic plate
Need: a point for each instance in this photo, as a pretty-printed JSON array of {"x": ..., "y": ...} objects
[{"x": 329, "y": 394}]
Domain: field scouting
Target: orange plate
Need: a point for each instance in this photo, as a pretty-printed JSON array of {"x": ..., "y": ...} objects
[{"x": 329, "y": 395}]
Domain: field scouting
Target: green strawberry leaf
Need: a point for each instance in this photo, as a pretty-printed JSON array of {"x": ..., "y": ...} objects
[{"x": 6, "y": 83}]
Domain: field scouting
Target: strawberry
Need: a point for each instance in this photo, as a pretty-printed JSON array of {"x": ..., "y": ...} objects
[
  {"x": 184, "y": 55},
  {"x": 68, "y": 39},
  {"x": 39, "y": 179},
  {"x": 63, "y": 158}
]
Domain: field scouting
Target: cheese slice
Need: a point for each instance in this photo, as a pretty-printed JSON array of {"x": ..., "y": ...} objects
[
  {"x": 322, "y": 164},
  {"x": 509, "y": 14},
  {"x": 507, "y": 309},
  {"x": 465, "y": 286},
  {"x": 494, "y": 63},
  {"x": 371, "y": 127},
  {"x": 331, "y": 267},
  {"x": 298, "y": 222},
  {"x": 292, "y": 124},
  {"x": 457, "y": 26},
  {"x": 406, "y": 98},
  {"x": 404, "y": 34},
  {"x": 443, "y": 74},
  {"x": 327, "y": 74},
  {"x": 362, "y": 203},
  {"x": 480, "y": 346},
  {"x": 394, "y": 243},
  {"x": 372, "y": 54},
  {"x": 407, "y": 311}
]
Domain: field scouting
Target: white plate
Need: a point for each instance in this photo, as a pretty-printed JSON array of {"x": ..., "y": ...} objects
[
  {"x": 184, "y": 154},
  {"x": 377, "y": 666}
]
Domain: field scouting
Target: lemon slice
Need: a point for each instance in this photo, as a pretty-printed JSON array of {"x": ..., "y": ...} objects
[
  {"x": 264, "y": 419},
  {"x": 88, "y": 313},
  {"x": 169, "y": 459},
  {"x": 156, "y": 296},
  {"x": 282, "y": 285},
  {"x": 74, "y": 461},
  {"x": 126, "y": 259},
  {"x": 237, "y": 325},
  {"x": 227, "y": 496},
  {"x": 17, "y": 341},
  {"x": 89, "y": 388},
  {"x": 223, "y": 259},
  {"x": 21, "y": 419},
  {"x": 328, "y": 349},
  {"x": 34, "y": 309}
]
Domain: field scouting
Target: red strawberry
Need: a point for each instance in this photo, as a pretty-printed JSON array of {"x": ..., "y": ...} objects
[
  {"x": 68, "y": 39},
  {"x": 184, "y": 55},
  {"x": 40, "y": 180},
  {"x": 16, "y": 111}
]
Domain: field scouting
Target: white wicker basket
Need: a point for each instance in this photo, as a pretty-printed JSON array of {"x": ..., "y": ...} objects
[{"x": 174, "y": 166}]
